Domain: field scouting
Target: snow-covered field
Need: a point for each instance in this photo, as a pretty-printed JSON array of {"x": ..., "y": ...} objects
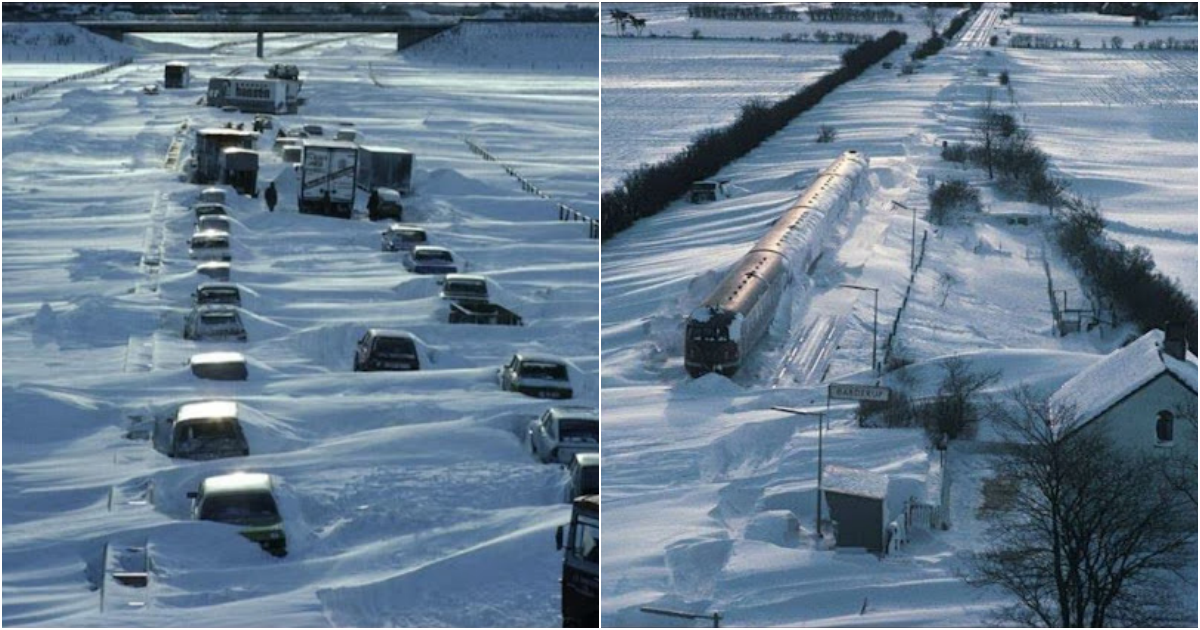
[
  {"x": 38, "y": 53},
  {"x": 670, "y": 19},
  {"x": 710, "y": 495},
  {"x": 1092, "y": 29},
  {"x": 659, "y": 93},
  {"x": 1121, "y": 125},
  {"x": 408, "y": 498}
]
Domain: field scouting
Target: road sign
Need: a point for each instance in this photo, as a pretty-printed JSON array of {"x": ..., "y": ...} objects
[{"x": 849, "y": 391}]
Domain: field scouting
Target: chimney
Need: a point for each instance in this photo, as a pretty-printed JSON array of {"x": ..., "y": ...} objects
[{"x": 1175, "y": 341}]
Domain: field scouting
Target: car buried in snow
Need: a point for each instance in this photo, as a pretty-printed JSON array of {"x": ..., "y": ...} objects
[
  {"x": 402, "y": 238},
  {"x": 429, "y": 259},
  {"x": 580, "y": 581},
  {"x": 217, "y": 293},
  {"x": 217, "y": 322},
  {"x": 219, "y": 366},
  {"x": 562, "y": 432},
  {"x": 210, "y": 245},
  {"x": 246, "y": 500},
  {"x": 539, "y": 376},
  {"x": 215, "y": 223},
  {"x": 207, "y": 430},
  {"x": 207, "y": 208},
  {"x": 464, "y": 288},
  {"x": 219, "y": 271},
  {"x": 584, "y": 475},
  {"x": 212, "y": 195},
  {"x": 391, "y": 350}
]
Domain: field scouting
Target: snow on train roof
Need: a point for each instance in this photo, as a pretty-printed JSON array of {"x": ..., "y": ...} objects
[
  {"x": 1109, "y": 380},
  {"x": 855, "y": 482}
]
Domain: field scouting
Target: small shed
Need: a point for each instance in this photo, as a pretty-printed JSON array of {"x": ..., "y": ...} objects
[
  {"x": 210, "y": 143},
  {"x": 857, "y": 502},
  {"x": 239, "y": 169}
]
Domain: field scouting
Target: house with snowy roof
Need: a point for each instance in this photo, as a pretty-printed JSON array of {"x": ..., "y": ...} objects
[
  {"x": 1140, "y": 395},
  {"x": 857, "y": 500}
]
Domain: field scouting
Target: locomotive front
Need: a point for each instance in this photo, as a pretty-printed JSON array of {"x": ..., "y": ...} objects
[{"x": 711, "y": 342}]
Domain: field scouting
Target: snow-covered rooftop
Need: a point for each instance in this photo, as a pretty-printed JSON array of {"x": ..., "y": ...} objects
[
  {"x": 855, "y": 481},
  {"x": 1108, "y": 381}
]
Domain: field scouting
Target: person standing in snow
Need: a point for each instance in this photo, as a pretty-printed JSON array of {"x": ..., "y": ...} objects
[{"x": 272, "y": 197}]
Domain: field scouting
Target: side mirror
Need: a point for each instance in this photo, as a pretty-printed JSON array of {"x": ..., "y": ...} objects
[
  {"x": 192, "y": 495},
  {"x": 558, "y": 536}
]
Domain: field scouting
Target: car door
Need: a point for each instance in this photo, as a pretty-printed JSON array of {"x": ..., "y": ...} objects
[
  {"x": 539, "y": 434},
  {"x": 362, "y": 350}
]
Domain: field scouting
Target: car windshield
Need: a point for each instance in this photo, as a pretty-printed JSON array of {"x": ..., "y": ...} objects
[
  {"x": 549, "y": 371},
  {"x": 412, "y": 237},
  {"x": 214, "y": 295},
  {"x": 578, "y": 430},
  {"x": 395, "y": 345},
  {"x": 240, "y": 508},
  {"x": 433, "y": 254},
  {"x": 212, "y": 222},
  {"x": 210, "y": 242}
]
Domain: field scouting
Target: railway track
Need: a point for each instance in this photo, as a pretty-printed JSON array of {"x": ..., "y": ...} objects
[{"x": 978, "y": 32}]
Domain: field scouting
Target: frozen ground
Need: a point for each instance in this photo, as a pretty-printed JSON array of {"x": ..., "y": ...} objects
[
  {"x": 409, "y": 499},
  {"x": 710, "y": 496}
]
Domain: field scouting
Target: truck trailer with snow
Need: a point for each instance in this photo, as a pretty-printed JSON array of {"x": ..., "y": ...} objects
[
  {"x": 380, "y": 167},
  {"x": 266, "y": 96},
  {"x": 210, "y": 145},
  {"x": 327, "y": 178},
  {"x": 177, "y": 74},
  {"x": 290, "y": 76}
]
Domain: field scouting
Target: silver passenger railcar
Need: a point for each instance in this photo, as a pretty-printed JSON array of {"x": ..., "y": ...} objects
[{"x": 736, "y": 315}]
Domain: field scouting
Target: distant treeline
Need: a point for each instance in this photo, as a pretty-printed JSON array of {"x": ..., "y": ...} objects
[
  {"x": 1145, "y": 10},
  {"x": 839, "y": 13},
  {"x": 936, "y": 42},
  {"x": 1116, "y": 42},
  {"x": 651, "y": 187},
  {"x": 742, "y": 12}
]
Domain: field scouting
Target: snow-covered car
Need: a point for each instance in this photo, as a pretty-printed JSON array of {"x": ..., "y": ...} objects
[
  {"x": 217, "y": 293},
  {"x": 464, "y": 288},
  {"x": 563, "y": 432},
  {"x": 386, "y": 350},
  {"x": 539, "y": 376},
  {"x": 430, "y": 259},
  {"x": 708, "y": 190},
  {"x": 205, "y": 209},
  {"x": 584, "y": 472},
  {"x": 215, "y": 270},
  {"x": 210, "y": 245},
  {"x": 214, "y": 222},
  {"x": 212, "y": 195},
  {"x": 244, "y": 499},
  {"x": 216, "y": 322},
  {"x": 402, "y": 238},
  {"x": 219, "y": 366},
  {"x": 207, "y": 430}
]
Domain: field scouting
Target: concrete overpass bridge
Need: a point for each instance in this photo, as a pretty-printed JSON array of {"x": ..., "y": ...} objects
[{"x": 408, "y": 31}]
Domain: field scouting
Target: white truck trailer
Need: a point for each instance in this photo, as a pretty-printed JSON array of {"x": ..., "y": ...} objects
[{"x": 327, "y": 178}]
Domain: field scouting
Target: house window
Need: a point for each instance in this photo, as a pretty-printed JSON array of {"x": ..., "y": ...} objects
[{"x": 1165, "y": 427}]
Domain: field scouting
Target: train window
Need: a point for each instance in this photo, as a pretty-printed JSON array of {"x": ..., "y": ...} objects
[{"x": 708, "y": 333}]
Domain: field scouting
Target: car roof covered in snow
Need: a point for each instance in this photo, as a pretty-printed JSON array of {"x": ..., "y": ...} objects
[
  {"x": 207, "y": 409},
  {"x": 403, "y": 227},
  {"x": 1115, "y": 377},
  {"x": 217, "y": 357},
  {"x": 430, "y": 248},
  {"x": 575, "y": 413},
  {"x": 391, "y": 334},
  {"x": 855, "y": 482},
  {"x": 526, "y": 357},
  {"x": 464, "y": 277},
  {"x": 225, "y": 131},
  {"x": 587, "y": 459},
  {"x": 237, "y": 482},
  {"x": 213, "y": 265}
]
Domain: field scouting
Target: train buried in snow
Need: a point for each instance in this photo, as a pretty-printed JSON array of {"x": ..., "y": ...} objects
[{"x": 736, "y": 315}]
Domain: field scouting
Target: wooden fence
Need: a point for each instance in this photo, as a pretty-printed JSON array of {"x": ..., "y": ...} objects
[
  {"x": 34, "y": 89},
  {"x": 912, "y": 278},
  {"x": 565, "y": 212}
]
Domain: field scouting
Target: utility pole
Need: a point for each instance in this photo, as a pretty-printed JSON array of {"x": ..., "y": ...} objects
[
  {"x": 912, "y": 256},
  {"x": 820, "y": 449},
  {"x": 874, "y": 324}
]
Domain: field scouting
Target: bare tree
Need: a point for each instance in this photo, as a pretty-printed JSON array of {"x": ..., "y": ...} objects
[
  {"x": 954, "y": 411},
  {"x": 1180, "y": 468},
  {"x": 945, "y": 284},
  {"x": 930, "y": 19},
  {"x": 987, "y": 129},
  {"x": 1089, "y": 536}
]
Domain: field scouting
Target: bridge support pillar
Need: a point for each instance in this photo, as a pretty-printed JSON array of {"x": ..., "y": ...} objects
[{"x": 259, "y": 46}]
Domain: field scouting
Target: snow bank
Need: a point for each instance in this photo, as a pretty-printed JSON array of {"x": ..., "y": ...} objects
[
  {"x": 59, "y": 42},
  {"x": 512, "y": 45}
]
